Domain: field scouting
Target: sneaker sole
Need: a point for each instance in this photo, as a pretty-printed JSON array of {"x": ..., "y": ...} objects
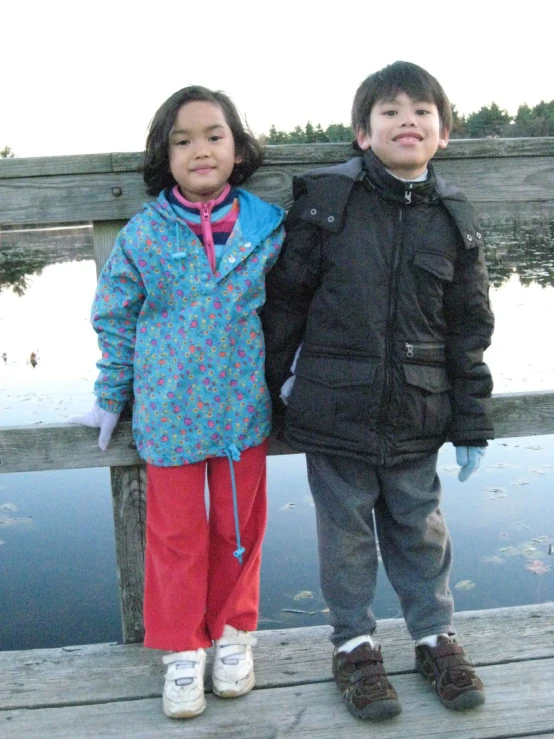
[
  {"x": 233, "y": 692},
  {"x": 378, "y": 711},
  {"x": 184, "y": 713},
  {"x": 471, "y": 699}
]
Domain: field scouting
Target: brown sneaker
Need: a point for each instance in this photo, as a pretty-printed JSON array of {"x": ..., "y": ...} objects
[
  {"x": 451, "y": 673},
  {"x": 361, "y": 678}
]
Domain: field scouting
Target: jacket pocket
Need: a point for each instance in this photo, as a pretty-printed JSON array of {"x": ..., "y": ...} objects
[
  {"x": 333, "y": 396},
  {"x": 425, "y": 407},
  {"x": 432, "y": 273},
  {"x": 438, "y": 265}
]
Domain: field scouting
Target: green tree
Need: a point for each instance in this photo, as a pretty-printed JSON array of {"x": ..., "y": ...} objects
[
  {"x": 487, "y": 122},
  {"x": 337, "y": 132},
  {"x": 459, "y": 128},
  {"x": 6, "y": 153},
  {"x": 320, "y": 135},
  {"x": 298, "y": 136},
  {"x": 310, "y": 133},
  {"x": 277, "y": 137}
]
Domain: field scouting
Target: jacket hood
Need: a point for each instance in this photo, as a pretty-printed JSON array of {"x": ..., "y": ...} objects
[{"x": 324, "y": 203}]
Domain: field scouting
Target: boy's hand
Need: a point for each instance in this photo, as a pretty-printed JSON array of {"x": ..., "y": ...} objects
[
  {"x": 99, "y": 418},
  {"x": 469, "y": 458}
]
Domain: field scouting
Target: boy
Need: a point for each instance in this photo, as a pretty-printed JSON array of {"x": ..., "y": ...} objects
[{"x": 382, "y": 279}]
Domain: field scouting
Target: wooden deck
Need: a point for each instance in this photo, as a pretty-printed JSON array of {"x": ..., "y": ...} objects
[{"x": 114, "y": 691}]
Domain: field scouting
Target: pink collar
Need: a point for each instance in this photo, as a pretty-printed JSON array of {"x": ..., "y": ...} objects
[{"x": 210, "y": 203}]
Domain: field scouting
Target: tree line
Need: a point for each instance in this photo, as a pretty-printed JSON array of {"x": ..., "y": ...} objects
[{"x": 488, "y": 122}]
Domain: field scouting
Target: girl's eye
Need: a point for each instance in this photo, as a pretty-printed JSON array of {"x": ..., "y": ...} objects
[
  {"x": 182, "y": 142},
  {"x": 215, "y": 138}
]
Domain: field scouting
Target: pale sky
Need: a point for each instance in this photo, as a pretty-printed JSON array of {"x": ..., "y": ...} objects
[{"x": 82, "y": 78}]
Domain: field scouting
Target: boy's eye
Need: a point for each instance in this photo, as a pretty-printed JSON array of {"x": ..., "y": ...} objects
[
  {"x": 423, "y": 111},
  {"x": 389, "y": 112}
]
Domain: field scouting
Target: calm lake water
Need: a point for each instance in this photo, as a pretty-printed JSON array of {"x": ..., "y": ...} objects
[{"x": 57, "y": 553}]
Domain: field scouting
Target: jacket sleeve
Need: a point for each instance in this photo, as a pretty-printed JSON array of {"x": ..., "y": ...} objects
[
  {"x": 117, "y": 304},
  {"x": 469, "y": 327},
  {"x": 290, "y": 286}
]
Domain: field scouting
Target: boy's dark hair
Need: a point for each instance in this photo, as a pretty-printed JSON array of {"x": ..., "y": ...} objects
[
  {"x": 405, "y": 77},
  {"x": 156, "y": 172}
]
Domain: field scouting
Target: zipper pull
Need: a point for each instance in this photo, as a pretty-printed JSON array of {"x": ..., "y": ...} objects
[
  {"x": 408, "y": 197},
  {"x": 409, "y": 350}
]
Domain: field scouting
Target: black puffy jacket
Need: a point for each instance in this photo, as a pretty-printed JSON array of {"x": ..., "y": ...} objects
[{"x": 386, "y": 286}]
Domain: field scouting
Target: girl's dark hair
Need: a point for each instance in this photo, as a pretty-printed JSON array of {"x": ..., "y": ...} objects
[
  {"x": 405, "y": 77},
  {"x": 156, "y": 172}
]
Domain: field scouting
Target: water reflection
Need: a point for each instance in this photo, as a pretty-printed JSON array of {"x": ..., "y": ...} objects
[
  {"x": 522, "y": 247},
  {"x": 26, "y": 252},
  {"x": 57, "y": 549}
]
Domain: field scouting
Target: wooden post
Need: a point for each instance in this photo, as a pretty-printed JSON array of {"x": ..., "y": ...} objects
[{"x": 128, "y": 496}]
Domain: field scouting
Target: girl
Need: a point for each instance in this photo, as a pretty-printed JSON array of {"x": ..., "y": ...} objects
[{"x": 176, "y": 312}]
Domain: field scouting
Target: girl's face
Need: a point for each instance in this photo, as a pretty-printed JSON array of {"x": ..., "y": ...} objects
[{"x": 201, "y": 151}]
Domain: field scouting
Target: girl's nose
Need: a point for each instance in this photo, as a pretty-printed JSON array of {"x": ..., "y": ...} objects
[{"x": 201, "y": 149}]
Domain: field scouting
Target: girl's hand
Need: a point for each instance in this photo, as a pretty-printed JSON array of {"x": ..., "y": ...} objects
[{"x": 99, "y": 418}]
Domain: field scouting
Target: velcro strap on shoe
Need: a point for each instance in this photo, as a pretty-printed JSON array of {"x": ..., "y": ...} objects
[
  {"x": 178, "y": 671},
  {"x": 368, "y": 670}
]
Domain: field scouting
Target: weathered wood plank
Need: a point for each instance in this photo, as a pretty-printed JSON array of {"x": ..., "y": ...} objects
[
  {"x": 284, "y": 657},
  {"x": 129, "y": 512},
  {"x": 495, "y": 173},
  {"x": 60, "y": 446},
  {"x": 286, "y": 153},
  {"x": 519, "y": 703}
]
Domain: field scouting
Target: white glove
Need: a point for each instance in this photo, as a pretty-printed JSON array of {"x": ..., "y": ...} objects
[{"x": 98, "y": 418}]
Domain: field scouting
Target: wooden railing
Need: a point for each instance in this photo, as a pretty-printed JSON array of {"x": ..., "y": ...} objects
[{"x": 507, "y": 179}]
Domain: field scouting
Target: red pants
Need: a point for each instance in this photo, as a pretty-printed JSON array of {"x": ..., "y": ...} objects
[{"x": 194, "y": 585}]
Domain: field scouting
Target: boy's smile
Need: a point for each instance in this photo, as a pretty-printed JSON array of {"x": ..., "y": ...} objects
[
  {"x": 201, "y": 151},
  {"x": 404, "y": 134}
]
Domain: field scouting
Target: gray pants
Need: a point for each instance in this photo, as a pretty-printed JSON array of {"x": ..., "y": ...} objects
[{"x": 413, "y": 539}]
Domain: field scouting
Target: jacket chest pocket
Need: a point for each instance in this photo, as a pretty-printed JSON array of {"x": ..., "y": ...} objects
[
  {"x": 432, "y": 271},
  {"x": 425, "y": 409}
]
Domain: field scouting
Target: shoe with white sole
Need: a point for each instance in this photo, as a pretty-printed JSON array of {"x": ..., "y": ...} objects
[
  {"x": 233, "y": 667},
  {"x": 183, "y": 693}
]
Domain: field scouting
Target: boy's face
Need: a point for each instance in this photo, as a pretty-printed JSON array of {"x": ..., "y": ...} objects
[{"x": 404, "y": 133}]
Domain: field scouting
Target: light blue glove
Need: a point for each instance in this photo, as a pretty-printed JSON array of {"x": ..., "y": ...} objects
[
  {"x": 99, "y": 418},
  {"x": 469, "y": 458}
]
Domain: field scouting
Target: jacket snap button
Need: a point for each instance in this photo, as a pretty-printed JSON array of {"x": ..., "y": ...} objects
[
  {"x": 313, "y": 212},
  {"x": 478, "y": 235},
  {"x": 469, "y": 237},
  {"x": 331, "y": 219},
  {"x": 232, "y": 260},
  {"x": 248, "y": 245}
]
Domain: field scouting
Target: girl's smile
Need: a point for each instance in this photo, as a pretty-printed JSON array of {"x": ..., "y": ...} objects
[{"x": 201, "y": 151}]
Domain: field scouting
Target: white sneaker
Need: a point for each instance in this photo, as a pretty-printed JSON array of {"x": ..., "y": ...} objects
[
  {"x": 183, "y": 694},
  {"x": 233, "y": 667}
]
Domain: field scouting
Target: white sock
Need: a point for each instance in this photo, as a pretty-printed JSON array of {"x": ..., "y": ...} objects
[
  {"x": 351, "y": 644},
  {"x": 431, "y": 641}
]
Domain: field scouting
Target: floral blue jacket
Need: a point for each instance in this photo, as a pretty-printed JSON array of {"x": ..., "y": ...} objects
[{"x": 187, "y": 343}]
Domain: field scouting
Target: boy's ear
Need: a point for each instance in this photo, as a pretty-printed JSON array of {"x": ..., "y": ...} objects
[
  {"x": 443, "y": 139},
  {"x": 363, "y": 138}
]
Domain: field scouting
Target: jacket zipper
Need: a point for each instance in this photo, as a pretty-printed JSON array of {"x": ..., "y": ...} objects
[
  {"x": 383, "y": 411},
  {"x": 410, "y": 348}
]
